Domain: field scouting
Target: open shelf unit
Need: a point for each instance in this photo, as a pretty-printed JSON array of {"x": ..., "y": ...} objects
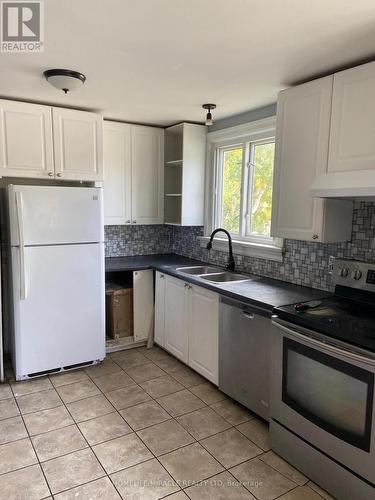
[{"x": 184, "y": 170}]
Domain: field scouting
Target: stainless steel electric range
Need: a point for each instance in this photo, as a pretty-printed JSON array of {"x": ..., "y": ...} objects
[{"x": 322, "y": 384}]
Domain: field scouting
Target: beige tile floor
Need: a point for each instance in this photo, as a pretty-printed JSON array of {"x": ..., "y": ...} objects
[{"x": 139, "y": 426}]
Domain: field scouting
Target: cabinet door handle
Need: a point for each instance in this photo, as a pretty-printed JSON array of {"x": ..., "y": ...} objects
[
  {"x": 315, "y": 236},
  {"x": 50, "y": 174},
  {"x": 128, "y": 221},
  {"x": 58, "y": 174},
  {"x": 162, "y": 276},
  {"x": 134, "y": 222}
]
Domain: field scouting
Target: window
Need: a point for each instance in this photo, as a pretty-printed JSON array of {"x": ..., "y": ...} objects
[
  {"x": 239, "y": 188},
  {"x": 244, "y": 176}
]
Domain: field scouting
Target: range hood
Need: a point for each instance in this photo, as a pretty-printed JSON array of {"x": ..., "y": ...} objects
[{"x": 358, "y": 184}]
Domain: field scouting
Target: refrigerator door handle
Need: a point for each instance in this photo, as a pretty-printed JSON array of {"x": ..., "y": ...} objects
[{"x": 19, "y": 207}]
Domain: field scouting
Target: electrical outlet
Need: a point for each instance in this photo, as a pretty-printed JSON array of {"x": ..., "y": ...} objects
[{"x": 331, "y": 263}]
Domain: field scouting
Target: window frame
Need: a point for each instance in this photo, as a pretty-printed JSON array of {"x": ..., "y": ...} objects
[{"x": 257, "y": 132}]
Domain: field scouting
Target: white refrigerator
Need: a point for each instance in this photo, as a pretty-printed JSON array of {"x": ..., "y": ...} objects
[{"x": 57, "y": 270}]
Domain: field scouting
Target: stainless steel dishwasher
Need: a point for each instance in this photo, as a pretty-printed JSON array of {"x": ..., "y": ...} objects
[{"x": 244, "y": 354}]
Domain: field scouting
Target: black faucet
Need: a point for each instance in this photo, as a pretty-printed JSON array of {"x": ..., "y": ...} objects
[{"x": 231, "y": 264}]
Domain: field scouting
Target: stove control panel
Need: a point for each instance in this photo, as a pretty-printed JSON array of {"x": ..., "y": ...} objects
[{"x": 354, "y": 274}]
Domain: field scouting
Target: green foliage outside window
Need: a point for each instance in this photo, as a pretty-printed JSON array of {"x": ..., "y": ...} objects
[
  {"x": 261, "y": 190},
  {"x": 261, "y": 205},
  {"x": 232, "y": 178}
]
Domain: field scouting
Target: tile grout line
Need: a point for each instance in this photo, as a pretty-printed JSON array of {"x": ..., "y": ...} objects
[
  {"x": 115, "y": 410},
  {"x": 32, "y": 444}
]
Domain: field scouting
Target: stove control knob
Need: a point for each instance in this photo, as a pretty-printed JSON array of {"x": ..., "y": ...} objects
[
  {"x": 357, "y": 274},
  {"x": 344, "y": 271}
]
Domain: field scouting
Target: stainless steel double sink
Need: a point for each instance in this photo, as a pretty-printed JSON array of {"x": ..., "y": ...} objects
[{"x": 214, "y": 274}]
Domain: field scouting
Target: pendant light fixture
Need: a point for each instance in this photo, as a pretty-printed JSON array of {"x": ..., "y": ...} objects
[
  {"x": 209, "y": 120},
  {"x": 64, "y": 79}
]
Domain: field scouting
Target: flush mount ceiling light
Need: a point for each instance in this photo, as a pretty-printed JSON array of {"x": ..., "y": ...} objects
[
  {"x": 209, "y": 120},
  {"x": 65, "y": 79}
]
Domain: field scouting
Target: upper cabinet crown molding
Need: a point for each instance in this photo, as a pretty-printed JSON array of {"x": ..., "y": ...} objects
[
  {"x": 301, "y": 155},
  {"x": 133, "y": 164},
  {"x": 37, "y": 141}
]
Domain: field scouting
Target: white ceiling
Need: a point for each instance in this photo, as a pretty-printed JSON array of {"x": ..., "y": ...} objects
[{"x": 157, "y": 61}]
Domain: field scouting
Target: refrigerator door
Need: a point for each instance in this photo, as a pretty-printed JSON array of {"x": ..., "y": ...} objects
[
  {"x": 51, "y": 215},
  {"x": 60, "y": 320}
]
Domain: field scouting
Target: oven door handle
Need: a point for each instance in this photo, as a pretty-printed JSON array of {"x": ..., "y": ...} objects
[{"x": 330, "y": 347}]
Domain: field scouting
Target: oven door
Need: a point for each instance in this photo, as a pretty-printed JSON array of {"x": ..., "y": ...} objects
[{"x": 323, "y": 391}]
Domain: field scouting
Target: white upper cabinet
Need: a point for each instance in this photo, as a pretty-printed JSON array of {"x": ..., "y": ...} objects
[
  {"x": 301, "y": 155},
  {"x": 43, "y": 142},
  {"x": 133, "y": 174},
  {"x": 25, "y": 140},
  {"x": 117, "y": 173},
  {"x": 147, "y": 174},
  {"x": 352, "y": 139},
  {"x": 78, "y": 144},
  {"x": 302, "y": 128}
]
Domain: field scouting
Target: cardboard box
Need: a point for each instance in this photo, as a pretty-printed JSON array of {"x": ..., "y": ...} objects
[{"x": 119, "y": 310}]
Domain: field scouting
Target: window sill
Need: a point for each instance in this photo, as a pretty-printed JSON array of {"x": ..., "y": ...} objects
[{"x": 261, "y": 251}]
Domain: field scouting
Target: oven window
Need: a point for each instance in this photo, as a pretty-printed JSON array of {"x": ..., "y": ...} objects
[{"x": 333, "y": 394}]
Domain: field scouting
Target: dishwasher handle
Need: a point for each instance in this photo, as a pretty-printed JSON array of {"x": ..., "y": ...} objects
[
  {"x": 248, "y": 310},
  {"x": 248, "y": 315}
]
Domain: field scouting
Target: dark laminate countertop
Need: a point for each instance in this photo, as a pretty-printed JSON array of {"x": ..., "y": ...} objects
[{"x": 264, "y": 292}]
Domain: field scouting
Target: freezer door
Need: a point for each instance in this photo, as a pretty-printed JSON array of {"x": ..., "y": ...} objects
[
  {"x": 48, "y": 215},
  {"x": 60, "y": 321}
]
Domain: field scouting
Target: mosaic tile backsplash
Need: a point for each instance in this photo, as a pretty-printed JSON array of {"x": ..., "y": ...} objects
[
  {"x": 304, "y": 263},
  {"x": 136, "y": 240}
]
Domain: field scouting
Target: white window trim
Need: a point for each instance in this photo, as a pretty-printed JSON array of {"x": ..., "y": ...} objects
[{"x": 249, "y": 132}]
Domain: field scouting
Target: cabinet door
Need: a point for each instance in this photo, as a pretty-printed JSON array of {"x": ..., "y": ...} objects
[
  {"x": 143, "y": 303},
  {"x": 203, "y": 327},
  {"x": 302, "y": 134},
  {"x": 78, "y": 143},
  {"x": 147, "y": 175},
  {"x": 25, "y": 140},
  {"x": 352, "y": 139},
  {"x": 117, "y": 173},
  {"x": 175, "y": 327},
  {"x": 159, "y": 308}
]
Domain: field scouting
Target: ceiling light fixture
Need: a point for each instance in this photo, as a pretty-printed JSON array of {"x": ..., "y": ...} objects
[
  {"x": 64, "y": 79},
  {"x": 209, "y": 120}
]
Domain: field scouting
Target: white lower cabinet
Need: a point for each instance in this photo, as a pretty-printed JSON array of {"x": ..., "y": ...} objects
[
  {"x": 143, "y": 300},
  {"x": 175, "y": 318},
  {"x": 159, "y": 308},
  {"x": 203, "y": 332},
  {"x": 186, "y": 324}
]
